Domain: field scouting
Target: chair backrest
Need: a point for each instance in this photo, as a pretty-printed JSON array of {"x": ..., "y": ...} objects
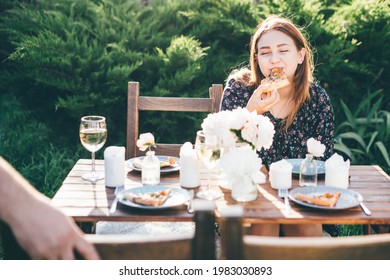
[
  {"x": 197, "y": 246},
  {"x": 137, "y": 103},
  {"x": 236, "y": 245}
]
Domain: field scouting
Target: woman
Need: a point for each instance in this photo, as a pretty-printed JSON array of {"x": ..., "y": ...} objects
[{"x": 299, "y": 111}]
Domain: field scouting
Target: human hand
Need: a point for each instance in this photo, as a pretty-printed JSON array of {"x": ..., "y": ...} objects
[
  {"x": 262, "y": 101},
  {"x": 46, "y": 233}
]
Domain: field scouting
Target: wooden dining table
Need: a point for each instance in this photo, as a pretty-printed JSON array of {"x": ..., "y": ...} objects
[{"x": 88, "y": 202}]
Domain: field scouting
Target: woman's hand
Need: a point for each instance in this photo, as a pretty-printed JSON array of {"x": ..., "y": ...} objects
[{"x": 262, "y": 101}]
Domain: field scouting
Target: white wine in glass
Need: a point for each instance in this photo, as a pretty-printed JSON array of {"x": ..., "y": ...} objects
[
  {"x": 93, "y": 135},
  {"x": 209, "y": 151}
]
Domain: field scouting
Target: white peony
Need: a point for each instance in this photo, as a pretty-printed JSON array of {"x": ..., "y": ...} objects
[
  {"x": 243, "y": 163},
  {"x": 146, "y": 140},
  {"x": 265, "y": 134},
  {"x": 240, "y": 125},
  {"x": 315, "y": 147}
]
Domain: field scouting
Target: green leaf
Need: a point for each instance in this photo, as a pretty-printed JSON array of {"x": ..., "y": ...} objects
[
  {"x": 372, "y": 138},
  {"x": 386, "y": 117},
  {"x": 354, "y": 136},
  {"x": 384, "y": 152},
  {"x": 348, "y": 114}
]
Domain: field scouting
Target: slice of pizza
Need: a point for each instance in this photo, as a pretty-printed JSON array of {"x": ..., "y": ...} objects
[
  {"x": 150, "y": 198},
  {"x": 325, "y": 199},
  {"x": 170, "y": 162},
  {"x": 277, "y": 79}
]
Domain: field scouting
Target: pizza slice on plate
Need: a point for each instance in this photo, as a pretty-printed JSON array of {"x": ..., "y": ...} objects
[
  {"x": 150, "y": 198},
  {"x": 168, "y": 163},
  {"x": 325, "y": 199}
]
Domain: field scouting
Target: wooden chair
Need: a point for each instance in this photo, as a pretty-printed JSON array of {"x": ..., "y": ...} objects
[
  {"x": 197, "y": 246},
  {"x": 236, "y": 245},
  {"x": 137, "y": 103}
]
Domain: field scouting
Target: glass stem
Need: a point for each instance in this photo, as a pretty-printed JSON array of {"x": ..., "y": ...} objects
[
  {"x": 93, "y": 162},
  {"x": 209, "y": 180}
]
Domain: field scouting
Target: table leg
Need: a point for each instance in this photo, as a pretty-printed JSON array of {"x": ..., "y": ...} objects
[
  {"x": 87, "y": 227},
  {"x": 367, "y": 229}
]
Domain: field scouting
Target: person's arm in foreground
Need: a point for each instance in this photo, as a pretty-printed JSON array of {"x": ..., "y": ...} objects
[{"x": 42, "y": 230}]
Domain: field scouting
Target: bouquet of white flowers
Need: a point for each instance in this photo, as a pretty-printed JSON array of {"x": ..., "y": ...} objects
[{"x": 241, "y": 165}]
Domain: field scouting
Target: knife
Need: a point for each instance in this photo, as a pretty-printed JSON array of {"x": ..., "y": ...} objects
[{"x": 365, "y": 209}]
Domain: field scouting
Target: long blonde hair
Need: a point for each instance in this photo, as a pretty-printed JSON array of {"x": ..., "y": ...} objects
[{"x": 303, "y": 75}]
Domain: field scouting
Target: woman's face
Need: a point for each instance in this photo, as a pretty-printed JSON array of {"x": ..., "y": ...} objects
[{"x": 276, "y": 49}]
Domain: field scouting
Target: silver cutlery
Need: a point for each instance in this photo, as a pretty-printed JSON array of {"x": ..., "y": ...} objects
[
  {"x": 190, "y": 202},
  {"x": 283, "y": 193},
  {"x": 117, "y": 192},
  {"x": 365, "y": 209}
]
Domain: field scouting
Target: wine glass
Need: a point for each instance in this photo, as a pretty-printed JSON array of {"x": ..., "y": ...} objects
[
  {"x": 209, "y": 151},
  {"x": 93, "y": 135}
]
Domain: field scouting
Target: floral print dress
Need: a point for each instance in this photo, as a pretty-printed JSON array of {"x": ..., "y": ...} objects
[{"x": 314, "y": 119}]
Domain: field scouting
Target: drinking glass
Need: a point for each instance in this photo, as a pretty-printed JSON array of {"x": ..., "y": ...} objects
[
  {"x": 93, "y": 135},
  {"x": 209, "y": 151}
]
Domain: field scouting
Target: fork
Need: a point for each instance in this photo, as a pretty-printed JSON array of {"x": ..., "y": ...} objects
[
  {"x": 117, "y": 192},
  {"x": 283, "y": 193},
  {"x": 190, "y": 205}
]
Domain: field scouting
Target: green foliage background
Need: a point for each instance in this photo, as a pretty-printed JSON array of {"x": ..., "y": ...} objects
[{"x": 61, "y": 60}]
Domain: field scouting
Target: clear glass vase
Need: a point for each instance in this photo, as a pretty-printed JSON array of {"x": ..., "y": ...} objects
[
  {"x": 243, "y": 189},
  {"x": 308, "y": 172},
  {"x": 150, "y": 169}
]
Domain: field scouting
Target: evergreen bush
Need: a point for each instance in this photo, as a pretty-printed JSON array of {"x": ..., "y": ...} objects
[{"x": 65, "y": 59}]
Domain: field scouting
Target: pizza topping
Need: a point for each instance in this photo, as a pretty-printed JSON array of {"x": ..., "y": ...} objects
[
  {"x": 150, "y": 198},
  {"x": 325, "y": 199}
]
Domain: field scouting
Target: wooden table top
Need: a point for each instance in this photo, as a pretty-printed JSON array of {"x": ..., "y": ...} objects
[{"x": 87, "y": 202}]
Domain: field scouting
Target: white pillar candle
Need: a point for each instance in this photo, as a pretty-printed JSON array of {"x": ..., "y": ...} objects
[
  {"x": 189, "y": 167},
  {"x": 280, "y": 175},
  {"x": 114, "y": 164},
  {"x": 337, "y": 177},
  {"x": 337, "y": 172}
]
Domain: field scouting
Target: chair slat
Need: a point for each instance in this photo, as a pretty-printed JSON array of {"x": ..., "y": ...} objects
[{"x": 174, "y": 104}]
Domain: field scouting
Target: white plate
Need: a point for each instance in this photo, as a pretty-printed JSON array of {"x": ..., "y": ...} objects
[
  {"x": 167, "y": 169},
  {"x": 296, "y": 163},
  {"x": 347, "y": 199},
  {"x": 177, "y": 196}
]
